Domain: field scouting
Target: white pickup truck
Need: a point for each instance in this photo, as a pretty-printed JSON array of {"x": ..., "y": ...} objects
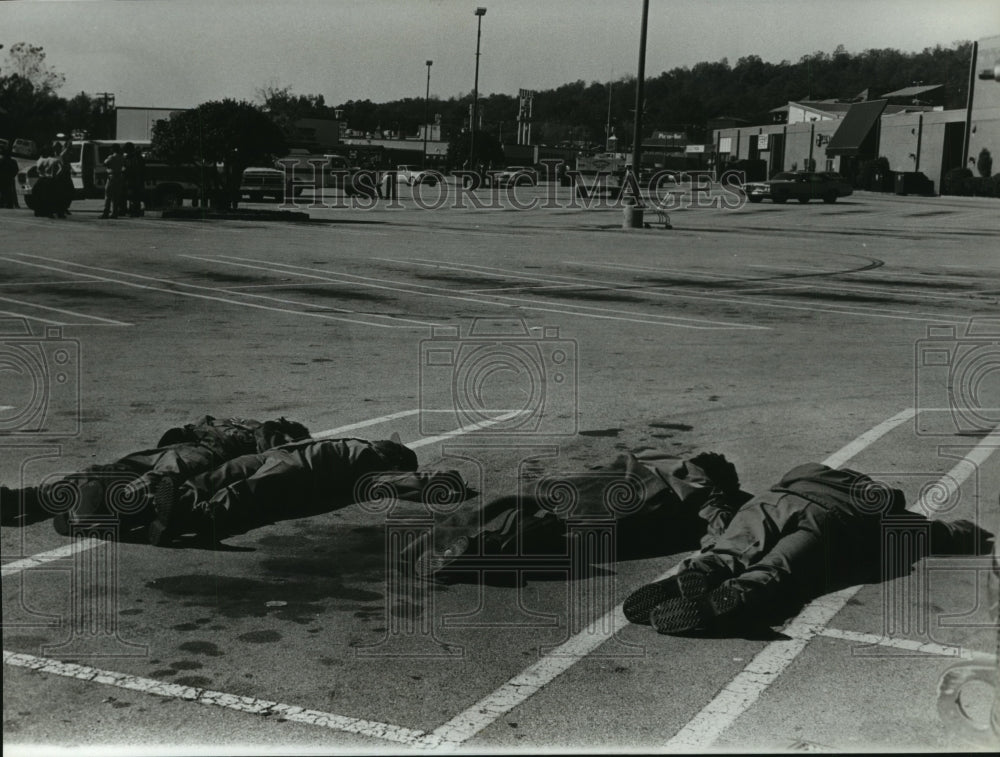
[{"x": 416, "y": 175}]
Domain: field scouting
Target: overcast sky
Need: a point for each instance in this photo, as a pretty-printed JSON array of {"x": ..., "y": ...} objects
[{"x": 178, "y": 53}]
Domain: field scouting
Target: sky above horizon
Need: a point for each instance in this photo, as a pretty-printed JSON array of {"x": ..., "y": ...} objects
[{"x": 178, "y": 53}]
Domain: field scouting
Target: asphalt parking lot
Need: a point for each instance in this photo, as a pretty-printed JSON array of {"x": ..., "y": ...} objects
[{"x": 776, "y": 334}]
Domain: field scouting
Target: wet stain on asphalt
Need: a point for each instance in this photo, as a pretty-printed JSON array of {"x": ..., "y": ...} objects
[
  {"x": 331, "y": 553},
  {"x": 476, "y": 281},
  {"x": 671, "y": 426},
  {"x": 235, "y": 597},
  {"x": 612, "y": 432},
  {"x": 133, "y": 611},
  {"x": 185, "y": 627},
  {"x": 228, "y": 278},
  {"x": 186, "y": 665},
  {"x": 304, "y": 571},
  {"x": 74, "y": 291},
  {"x": 829, "y": 296},
  {"x": 260, "y": 637},
  {"x": 666, "y": 281},
  {"x": 206, "y": 648},
  {"x": 943, "y": 286},
  {"x": 197, "y": 682},
  {"x": 337, "y": 294},
  {"x": 597, "y": 295}
]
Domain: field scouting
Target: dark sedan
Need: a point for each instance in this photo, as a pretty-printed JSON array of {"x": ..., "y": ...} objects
[{"x": 800, "y": 185}]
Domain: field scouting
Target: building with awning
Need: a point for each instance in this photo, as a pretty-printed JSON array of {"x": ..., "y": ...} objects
[{"x": 857, "y": 134}]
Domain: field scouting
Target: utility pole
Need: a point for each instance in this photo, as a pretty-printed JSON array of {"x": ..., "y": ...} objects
[
  {"x": 632, "y": 213},
  {"x": 640, "y": 76},
  {"x": 427, "y": 96},
  {"x": 968, "y": 105},
  {"x": 480, "y": 12}
]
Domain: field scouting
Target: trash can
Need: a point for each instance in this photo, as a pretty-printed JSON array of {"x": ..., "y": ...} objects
[
  {"x": 913, "y": 182},
  {"x": 632, "y": 216}
]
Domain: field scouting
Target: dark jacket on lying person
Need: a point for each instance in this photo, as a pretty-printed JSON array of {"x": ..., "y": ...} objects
[
  {"x": 252, "y": 490},
  {"x": 651, "y": 496},
  {"x": 124, "y": 487},
  {"x": 820, "y": 529}
]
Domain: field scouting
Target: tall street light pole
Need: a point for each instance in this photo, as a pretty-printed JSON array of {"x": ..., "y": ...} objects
[
  {"x": 427, "y": 96},
  {"x": 640, "y": 76},
  {"x": 633, "y": 210},
  {"x": 480, "y": 12}
]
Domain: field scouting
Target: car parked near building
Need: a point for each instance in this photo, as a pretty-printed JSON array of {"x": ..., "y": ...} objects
[
  {"x": 517, "y": 175},
  {"x": 260, "y": 183},
  {"x": 415, "y": 175},
  {"x": 799, "y": 185}
]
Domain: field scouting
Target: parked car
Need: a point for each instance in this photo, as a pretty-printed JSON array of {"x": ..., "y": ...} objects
[
  {"x": 517, "y": 175},
  {"x": 259, "y": 183},
  {"x": 800, "y": 185},
  {"x": 165, "y": 185},
  {"x": 24, "y": 148},
  {"x": 415, "y": 175}
]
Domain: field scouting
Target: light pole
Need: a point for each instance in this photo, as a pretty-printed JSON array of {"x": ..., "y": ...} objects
[
  {"x": 640, "y": 76},
  {"x": 480, "y": 12},
  {"x": 427, "y": 97},
  {"x": 633, "y": 212}
]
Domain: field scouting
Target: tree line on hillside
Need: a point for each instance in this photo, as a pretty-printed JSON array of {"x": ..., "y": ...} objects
[
  {"x": 685, "y": 98},
  {"x": 682, "y": 99}
]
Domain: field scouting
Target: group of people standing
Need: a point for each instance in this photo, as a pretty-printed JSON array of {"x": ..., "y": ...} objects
[
  {"x": 53, "y": 192},
  {"x": 126, "y": 182}
]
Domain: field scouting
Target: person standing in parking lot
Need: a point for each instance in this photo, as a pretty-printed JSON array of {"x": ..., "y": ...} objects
[
  {"x": 64, "y": 180},
  {"x": 135, "y": 168},
  {"x": 8, "y": 172},
  {"x": 114, "y": 189}
]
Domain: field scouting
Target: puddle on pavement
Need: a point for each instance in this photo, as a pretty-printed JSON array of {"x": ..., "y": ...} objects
[
  {"x": 612, "y": 432},
  {"x": 671, "y": 426},
  {"x": 303, "y": 571}
]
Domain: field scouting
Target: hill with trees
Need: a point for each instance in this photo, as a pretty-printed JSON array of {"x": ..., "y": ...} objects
[
  {"x": 683, "y": 98},
  {"x": 686, "y": 97}
]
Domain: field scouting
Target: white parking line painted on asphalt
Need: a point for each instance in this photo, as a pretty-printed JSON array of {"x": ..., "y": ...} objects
[
  {"x": 372, "y": 729},
  {"x": 860, "y": 287},
  {"x": 881, "y": 270},
  {"x": 363, "y": 424},
  {"x": 868, "y": 438},
  {"x": 870, "y": 312},
  {"x": 35, "y": 561},
  {"x": 425, "y": 290},
  {"x": 108, "y": 321},
  {"x": 519, "y": 689},
  {"x": 32, "y": 317},
  {"x": 195, "y": 295},
  {"x": 523, "y": 303},
  {"x": 80, "y": 545},
  {"x": 251, "y": 705},
  {"x": 909, "y": 645},
  {"x": 738, "y": 695},
  {"x": 506, "y": 415}
]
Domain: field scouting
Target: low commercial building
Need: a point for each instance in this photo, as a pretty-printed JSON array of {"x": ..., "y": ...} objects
[{"x": 905, "y": 126}]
